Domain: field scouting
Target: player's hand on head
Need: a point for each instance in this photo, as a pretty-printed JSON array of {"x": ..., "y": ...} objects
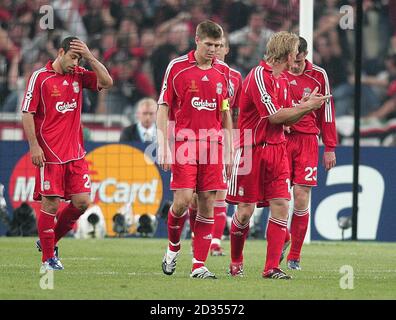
[
  {"x": 81, "y": 48},
  {"x": 329, "y": 160},
  {"x": 37, "y": 155}
]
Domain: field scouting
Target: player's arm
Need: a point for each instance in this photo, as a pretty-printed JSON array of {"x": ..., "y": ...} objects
[
  {"x": 104, "y": 79},
  {"x": 29, "y": 107},
  {"x": 235, "y": 106},
  {"x": 229, "y": 148},
  {"x": 289, "y": 116},
  {"x": 326, "y": 123},
  {"x": 36, "y": 152},
  {"x": 163, "y": 153}
]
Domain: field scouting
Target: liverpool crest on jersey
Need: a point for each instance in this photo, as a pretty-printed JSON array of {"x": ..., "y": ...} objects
[
  {"x": 307, "y": 92},
  {"x": 219, "y": 88},
  {"x": 76, "y": 87}
]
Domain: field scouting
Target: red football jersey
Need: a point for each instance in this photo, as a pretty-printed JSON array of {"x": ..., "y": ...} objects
[
  {"x": 321, "y": 120},
  {"x": 235, "y": 87},
  {"x": 262, "y": 95},
  {"x": 56, "y": 101},
  {"x": 195, "y": 96}
]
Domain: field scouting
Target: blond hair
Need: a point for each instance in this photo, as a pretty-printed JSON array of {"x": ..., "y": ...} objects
[{"x": 280, "y": 45}]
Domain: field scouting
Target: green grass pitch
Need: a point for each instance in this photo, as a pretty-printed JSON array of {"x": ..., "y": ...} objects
[{"x": 130, "y": 268}]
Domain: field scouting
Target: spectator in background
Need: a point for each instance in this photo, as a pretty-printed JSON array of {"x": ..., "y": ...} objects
[
  {"x": 243, "y": 10},
  {"x": 251, "y": 42},
  {"x": 166, "y": 10},
  {"x": 130, "y": 83},
  {"x": 67, "y": 11},
  {"x": 388, "y": 108},
  {"x": 156, "y": 31},
  {"x": 144, "y": 129},
  {"x": 282, "y": 14},
  {"x": 175, "y": 41},
  {"x": 97, "y": 17},
  {"x": 330, "y": 58}
]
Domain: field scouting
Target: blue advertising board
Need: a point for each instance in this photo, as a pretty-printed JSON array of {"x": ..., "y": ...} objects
[{"x": 122, "y": 173}]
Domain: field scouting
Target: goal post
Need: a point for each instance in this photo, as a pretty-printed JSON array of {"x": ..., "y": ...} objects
[{"x": 306, "y": 21}]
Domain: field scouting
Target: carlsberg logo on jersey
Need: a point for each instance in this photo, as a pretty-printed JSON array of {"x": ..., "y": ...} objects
[
  {"x": 64, "y": 107},
  {"x": 200, "y": 104}
]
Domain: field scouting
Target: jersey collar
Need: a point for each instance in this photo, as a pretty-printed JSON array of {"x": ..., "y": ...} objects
[
  {"x": 308, "y": 66},
  {"x": 191, "y": 58},
  {"x": 49, "y": 67},
  {"x": 265, "y": 65}
]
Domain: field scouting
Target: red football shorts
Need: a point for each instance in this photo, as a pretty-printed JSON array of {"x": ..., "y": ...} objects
[
  {"x": 268, "y": 178},
  {"x": 62, "y": 180},
  {"x": 198, "y": 165},
  {"x": 302, "y": 151}
]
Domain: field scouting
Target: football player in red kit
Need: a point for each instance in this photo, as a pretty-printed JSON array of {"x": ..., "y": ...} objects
[
  {"x": 302, "y": 145},
  {"x": 195, "y": 92},
  {"x": 220, "y": 206},
  {"x": 51, "y": 117},
  {"x": 264, "y": 110}
]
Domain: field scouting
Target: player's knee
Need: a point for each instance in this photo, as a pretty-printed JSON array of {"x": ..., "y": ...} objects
[
  {"x": 82, "y": 204},
  {"x": 301, "y": 198},
  {"x": 194, "y": 201},
  {"x": 244, "y": 213},
  {"x": 221, "y": 195},
  {"x": 279, "y": 208},
  {"x": 180, "y": 205},
  {"x": 243, "y": 217},
  {"x": 51, "y": 208},
  {"x": 50, "y": 205}
]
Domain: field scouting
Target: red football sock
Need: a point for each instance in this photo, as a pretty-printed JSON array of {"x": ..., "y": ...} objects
[
  {"x": 287, "y": 236},
  {"x": 45, "y": 228},
  {"x": 202, "y": 239},
  {"x": 220, "y": 219},
  {"x": 192, "y": 214},
  {"x": 299, "y": 226},
  {"x": 238, "y": 235},
  {"x": 66, "y": 220},
  {"x": 175, "y": 228},
  {"x": 276, "y": 230}
]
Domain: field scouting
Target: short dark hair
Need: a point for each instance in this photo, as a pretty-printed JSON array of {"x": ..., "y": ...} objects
[
  {"x": 65, "y": 45},
  {"x": 209, "y": 29},
  {"x": 302, "y": 46}
]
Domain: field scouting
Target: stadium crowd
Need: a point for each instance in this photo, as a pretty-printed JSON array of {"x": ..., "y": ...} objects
[{"x": 137, "y": 39}]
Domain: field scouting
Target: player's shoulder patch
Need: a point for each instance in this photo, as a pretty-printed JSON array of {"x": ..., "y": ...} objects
[
  {"x": 178, "y": 60},
  {"x": 318, "y": 69}
]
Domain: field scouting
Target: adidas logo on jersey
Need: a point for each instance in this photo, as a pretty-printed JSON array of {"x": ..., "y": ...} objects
[
  {"x": 293, "y": 82},
  {"x": 65, "y": 83},
  {"x": 205, "y": 78},
  {"x": 208, "y": 237}
]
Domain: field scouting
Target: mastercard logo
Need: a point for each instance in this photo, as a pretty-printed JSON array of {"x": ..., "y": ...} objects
[{"x": 123, "y": 176}]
